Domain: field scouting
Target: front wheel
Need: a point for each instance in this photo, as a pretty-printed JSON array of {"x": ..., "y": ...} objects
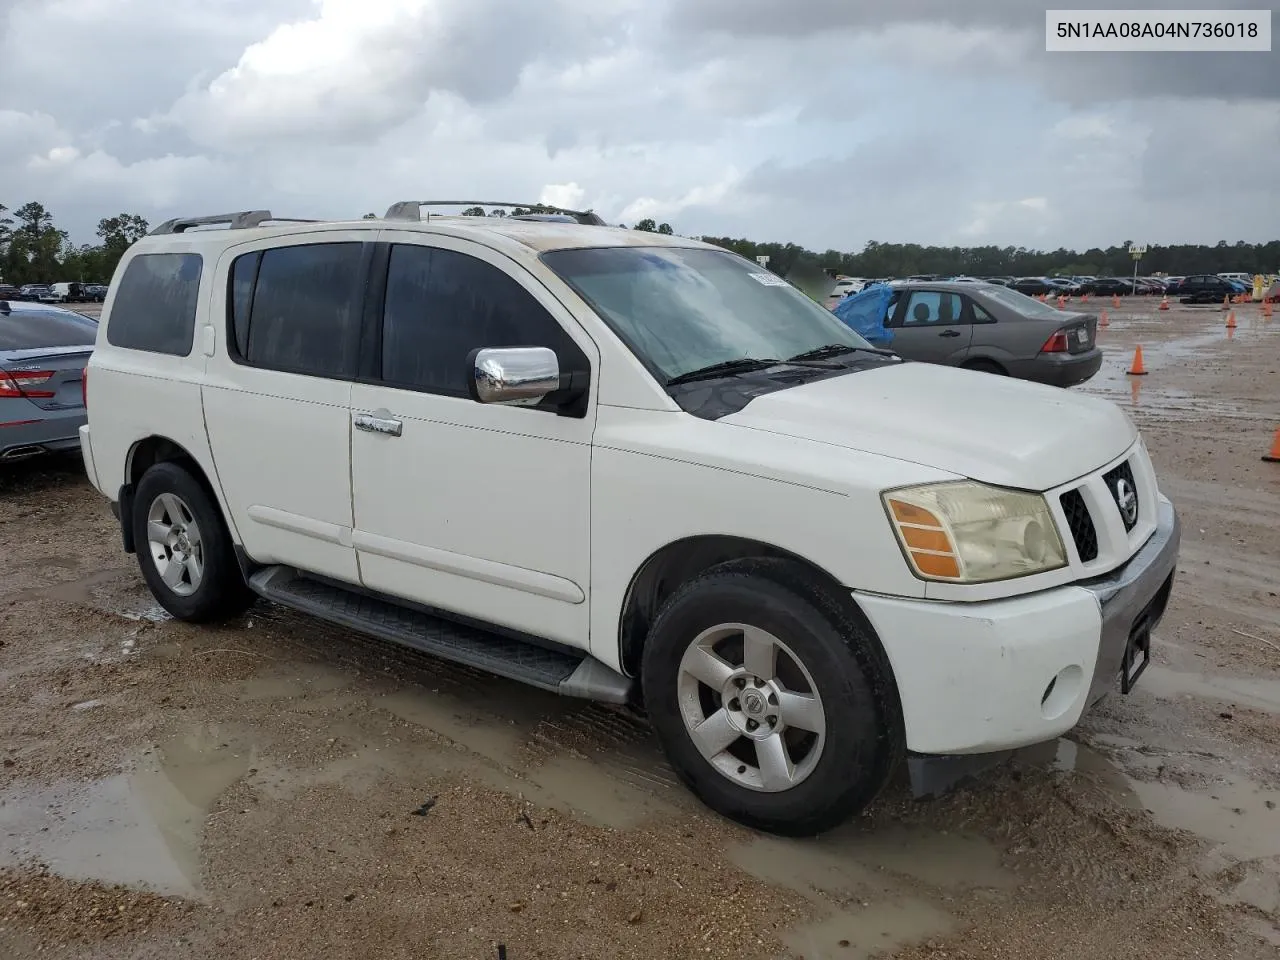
[
  {"x": 184, "y": 549},
  {"x": 772, "y": 700}
]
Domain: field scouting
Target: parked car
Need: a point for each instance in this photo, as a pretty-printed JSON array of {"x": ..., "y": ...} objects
[
  {"x": 95, "y": 292},
  {"x": 1033, "y": 286},
  {"x": 11, "y": 293},
  {"x": 1110, "y": 286},
  {"x": 610, "y": 464},
  {"x": 43, "y": 351},
  {"x": 36, "y": 292},
  {"x": 72, "y": 292},
  {"x": 1201, "y": 288},
  {"x": 843, "y": 287},
  {"x": 986, "y": 327}
]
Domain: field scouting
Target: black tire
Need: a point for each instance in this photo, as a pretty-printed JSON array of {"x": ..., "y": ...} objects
[
  {"x": 221, "y": 593},
  {"x": 864, "y": 739},
  {"x": 985, "y": 366}
]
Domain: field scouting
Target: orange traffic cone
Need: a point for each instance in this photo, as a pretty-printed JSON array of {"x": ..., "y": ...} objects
[
  {"x": 1231, "y": 319},
  {"x": 1137, "y": 370},
  {"x": 1103, "y": 321},
  {"x": 1164, "y": 303},
  {"x": 1226, "y": 302},
  {"x": 1084, "y": 298},
  {"x": 1274, "y": 455},
  {"x": 1267, "y": 309}
]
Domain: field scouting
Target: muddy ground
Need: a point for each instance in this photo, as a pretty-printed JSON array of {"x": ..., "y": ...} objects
[{"x": 280, "y": 789}]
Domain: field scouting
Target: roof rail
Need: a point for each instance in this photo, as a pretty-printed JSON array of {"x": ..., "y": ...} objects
[
  {"x": 411, "y": 209},
  {"x": 244, "y": 220}
]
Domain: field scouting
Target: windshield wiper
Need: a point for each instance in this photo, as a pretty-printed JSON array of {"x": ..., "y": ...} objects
[
  {"x": 724, "y": 368},
  {"x": 834, "y": 350}
]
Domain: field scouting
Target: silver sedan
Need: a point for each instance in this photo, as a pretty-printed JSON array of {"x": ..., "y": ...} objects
[{"x": 984, "y": 326}]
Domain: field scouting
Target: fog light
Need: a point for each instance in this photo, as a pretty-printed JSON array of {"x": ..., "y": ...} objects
[{"x": 1062, "y": 692}]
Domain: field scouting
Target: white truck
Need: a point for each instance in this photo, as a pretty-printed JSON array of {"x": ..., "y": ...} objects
[{"x": 630, "y": 467}]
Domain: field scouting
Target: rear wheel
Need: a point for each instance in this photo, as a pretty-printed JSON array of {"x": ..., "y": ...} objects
[
  {"x": 184, "y": 549},
  {"x": 771, "y": 699}
]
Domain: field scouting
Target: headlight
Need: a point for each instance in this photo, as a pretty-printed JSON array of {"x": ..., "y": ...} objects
[{"x": 968, "y": 532}]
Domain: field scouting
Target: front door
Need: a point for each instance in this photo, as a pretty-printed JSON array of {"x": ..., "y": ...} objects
[
  {"x": 931, "y": 326},
  {"x": 477, "y": 509}
]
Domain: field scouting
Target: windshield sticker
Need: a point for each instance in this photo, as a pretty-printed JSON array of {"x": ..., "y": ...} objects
[{"x": 768, "y": 279}]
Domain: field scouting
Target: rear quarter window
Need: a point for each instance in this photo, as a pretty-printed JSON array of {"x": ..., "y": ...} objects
[{"x": 155, "y": 304}]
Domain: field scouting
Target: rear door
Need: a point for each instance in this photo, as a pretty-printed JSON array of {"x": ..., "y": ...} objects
[
  {"x": 277, "y": 399},
  {"x": 932, "y": 326}
]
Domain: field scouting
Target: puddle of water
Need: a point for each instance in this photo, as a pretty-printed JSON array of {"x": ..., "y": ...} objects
[
  {"x": 1258, "y": 693},
  {"x": 72, "y": 591},
  {"x": 140, "y": 829},
  {"x": 1232, "y": 815},
  {"x": 947, "y": 861},
  {"x": 605, "y": 790},
  {"x": 877, "y": 929},
  {"x": 877, "y": 913},
  {"x": 299, "y": 680}
]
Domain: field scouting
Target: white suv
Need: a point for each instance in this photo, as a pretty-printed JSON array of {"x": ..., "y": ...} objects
[{"x": 612, "y": 463}]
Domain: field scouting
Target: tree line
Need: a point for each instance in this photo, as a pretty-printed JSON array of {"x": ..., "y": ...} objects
[
  {"x": 908, "y": 259},
  {"x": 34, "y": 250}
]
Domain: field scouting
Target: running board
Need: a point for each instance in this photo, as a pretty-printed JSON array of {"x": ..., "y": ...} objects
[{"x": 565, "y": 673}]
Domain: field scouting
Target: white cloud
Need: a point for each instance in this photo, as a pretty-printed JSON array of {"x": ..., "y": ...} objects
[
  {"x": 702, "y": 195},
  {"x": 567, "y": 195}
]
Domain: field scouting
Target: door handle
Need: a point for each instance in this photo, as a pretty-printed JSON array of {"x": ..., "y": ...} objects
[
  {"x": 388, "y": 426},
  {"x": 949, "y": 333}
]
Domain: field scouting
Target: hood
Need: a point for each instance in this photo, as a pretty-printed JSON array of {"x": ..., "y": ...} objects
[{"x": 985, "y": 427}]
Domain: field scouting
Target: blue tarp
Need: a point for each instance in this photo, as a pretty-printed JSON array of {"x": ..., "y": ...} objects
[{"x": 865, "y": 313}]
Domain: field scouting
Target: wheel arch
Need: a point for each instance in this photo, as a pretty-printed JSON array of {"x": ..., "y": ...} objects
[
  {"x": 142, "y": 456},
  {"x": 678, "y": 562},
  {"x": 984, "y": 361}
]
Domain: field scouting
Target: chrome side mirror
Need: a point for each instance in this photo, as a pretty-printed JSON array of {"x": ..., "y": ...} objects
[{"x": 514, "y": 375}]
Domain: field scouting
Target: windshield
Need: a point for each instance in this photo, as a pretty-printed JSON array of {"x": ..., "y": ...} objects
[
  {"x": 1021, "y": 303},
  {"x": 684, "y": 309}
]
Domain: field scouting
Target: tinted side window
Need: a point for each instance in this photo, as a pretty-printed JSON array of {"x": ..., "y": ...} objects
[
  {"x": 980, "y": 315},
  {"x": 244, "y": 274},
  {"x": 303, "y": 310},
  {"x": 441, "y": 305},
  {"x": 155, "y": 304},
  {"x": 932, "y": 307}
]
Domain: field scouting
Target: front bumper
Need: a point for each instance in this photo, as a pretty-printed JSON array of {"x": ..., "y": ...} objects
[{"x": 984, "y": 677}]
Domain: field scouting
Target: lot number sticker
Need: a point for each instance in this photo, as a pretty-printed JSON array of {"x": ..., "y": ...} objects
[{"x": 768, "y": 279}]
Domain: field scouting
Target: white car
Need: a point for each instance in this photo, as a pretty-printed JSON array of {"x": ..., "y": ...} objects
[
  {"x": 845, "y": 286},
  {"x": 617, "y": 464}
]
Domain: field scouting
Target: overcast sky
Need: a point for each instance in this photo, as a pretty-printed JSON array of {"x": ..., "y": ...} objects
[{"x": 824, "y": 122}]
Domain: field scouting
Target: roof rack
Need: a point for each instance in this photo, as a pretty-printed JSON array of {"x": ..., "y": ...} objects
[
  {"x": 244, "y": 220},
  {"x": 411, "y": 209}
]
